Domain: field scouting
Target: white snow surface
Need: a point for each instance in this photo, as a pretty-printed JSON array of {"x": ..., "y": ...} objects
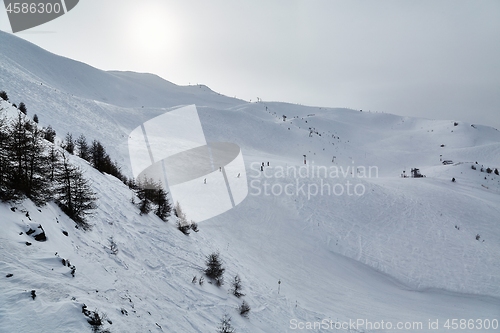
[{"x": 405, "y": 251}]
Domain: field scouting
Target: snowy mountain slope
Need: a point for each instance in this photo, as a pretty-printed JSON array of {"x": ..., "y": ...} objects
[
  {"x": 392, "y": 254},
  {"x": 152, "y": 271},
  {"x": 108, "y": 105},
  {"x": 76, "y": 93}
]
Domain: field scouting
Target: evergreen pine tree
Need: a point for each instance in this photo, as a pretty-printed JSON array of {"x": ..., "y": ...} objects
[
  {"x": 244, "y": 309},
  {"x": 144, "y": 204},
  {"x": 38, "y": 190},
  {"x": 144, "y": 195},
  {"x": 83, "y": 147},
  {"x": 22, "y": 108},
  {"x": 163, "y": 207},
  {"x": 132, "y": 184},
  {"x": 3, "y": 95},
  {"x": 35, "y": 118},
  {"x": 19, "y": 146},
  {"x": 5, "y": 164},
  {"x": 53, "y": 162},
  {"x": 97, "y": 155},
  {"x": 28, "y": 173},
  {"x": 49, "y": 134},
  {"x": 182, "y": 222},
  {"x": 69, "y": 143},
  {"x": 225, "y": 325},
  {"x": 84, "y": 200},
  {"x": 214, "y": 269},
  {"x": 236, "y": 287},
  {"x": 74, "y": 194}
]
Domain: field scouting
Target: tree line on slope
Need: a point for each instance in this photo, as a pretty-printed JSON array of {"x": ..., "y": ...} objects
[
  {"x": 33, "y": 166},
  {"x": 152, "y": 196}
]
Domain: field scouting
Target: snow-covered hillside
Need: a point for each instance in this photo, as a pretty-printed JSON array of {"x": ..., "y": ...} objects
[{"x": 406, "y": 250}]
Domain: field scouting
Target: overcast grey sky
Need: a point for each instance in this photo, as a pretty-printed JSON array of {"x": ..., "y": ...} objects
[{"x": 435, "y": 59}]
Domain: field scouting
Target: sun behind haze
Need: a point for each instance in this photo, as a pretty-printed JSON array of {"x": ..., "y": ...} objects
[{"x": 432, "y": 59}]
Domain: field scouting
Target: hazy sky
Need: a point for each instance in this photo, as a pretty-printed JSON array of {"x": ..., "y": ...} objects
[{"x": 436, "y": 59}]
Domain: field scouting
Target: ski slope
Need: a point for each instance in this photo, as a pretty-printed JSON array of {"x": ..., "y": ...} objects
[{"x": 404, "y": 251}]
